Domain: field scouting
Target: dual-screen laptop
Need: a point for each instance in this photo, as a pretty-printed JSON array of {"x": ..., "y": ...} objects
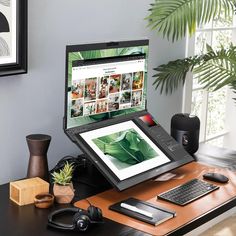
[{"x": 106, "y": 113}]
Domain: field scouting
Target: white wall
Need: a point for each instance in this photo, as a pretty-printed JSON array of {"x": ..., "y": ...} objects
[{"x": 34, "y": 102}]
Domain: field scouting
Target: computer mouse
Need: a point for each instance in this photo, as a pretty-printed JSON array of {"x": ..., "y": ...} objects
[{"x": 216, "y": 177}]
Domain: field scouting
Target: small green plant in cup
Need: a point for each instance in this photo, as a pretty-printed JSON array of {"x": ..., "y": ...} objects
[
  {"x": 63, "y": 188},
  {"x": 64, "y": 176}
]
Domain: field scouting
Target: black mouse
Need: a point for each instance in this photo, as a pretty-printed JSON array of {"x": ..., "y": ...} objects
[{"x": 216, "y": 177}]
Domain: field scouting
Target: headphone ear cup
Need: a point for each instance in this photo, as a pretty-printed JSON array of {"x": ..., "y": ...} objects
[
  {"x": 81, "y": 221},
  {"x": 95, "y": 213},
  {"x": 100, "y": 216}
]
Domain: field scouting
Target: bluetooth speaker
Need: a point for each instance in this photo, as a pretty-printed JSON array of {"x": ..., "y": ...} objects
[{"x": 185, "y": 130}]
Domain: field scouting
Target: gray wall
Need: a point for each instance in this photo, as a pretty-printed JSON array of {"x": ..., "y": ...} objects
[{"x": 34, "y": 102}]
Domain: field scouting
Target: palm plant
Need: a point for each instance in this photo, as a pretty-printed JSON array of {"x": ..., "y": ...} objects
[{"x": 173, "y": 19}]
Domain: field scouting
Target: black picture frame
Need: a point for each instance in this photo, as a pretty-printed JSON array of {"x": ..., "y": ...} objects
[{"x": 20, "y": 65}]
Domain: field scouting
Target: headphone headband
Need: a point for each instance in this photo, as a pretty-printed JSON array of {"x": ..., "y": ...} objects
[
  {"x": 81, "y": 219},
  {"x": 59, "y": 225}
]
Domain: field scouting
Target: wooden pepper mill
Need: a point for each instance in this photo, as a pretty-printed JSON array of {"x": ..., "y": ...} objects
[{"x": 38, "y": 146}]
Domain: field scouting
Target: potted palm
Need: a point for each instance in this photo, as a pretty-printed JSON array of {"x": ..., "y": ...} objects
[
  {"x": 63, "y": 187},
  {"x": 173, "y": 19}
]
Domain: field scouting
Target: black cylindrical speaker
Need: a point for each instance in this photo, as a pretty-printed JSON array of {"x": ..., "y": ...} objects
[{"x": 185, "y": 130}]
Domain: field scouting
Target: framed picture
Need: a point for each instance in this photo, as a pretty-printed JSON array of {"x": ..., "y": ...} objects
[
  {"x": 125, "y": 149},
  {"x": 13, "y": 37}
]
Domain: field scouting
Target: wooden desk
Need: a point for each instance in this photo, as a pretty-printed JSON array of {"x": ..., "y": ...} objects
[
  {"x": 28, "y": 220},
  {"x": 207, "y": 206}
]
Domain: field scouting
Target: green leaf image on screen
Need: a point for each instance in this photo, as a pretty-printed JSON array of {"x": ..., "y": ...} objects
[{"x": 126, "y": 147}]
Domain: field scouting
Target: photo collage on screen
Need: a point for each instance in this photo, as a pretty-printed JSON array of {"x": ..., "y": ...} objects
[{"x": 98, "y": 95}]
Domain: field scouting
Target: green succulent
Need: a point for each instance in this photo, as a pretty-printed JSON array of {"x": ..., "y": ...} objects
[{"x": 64, "y": 176}]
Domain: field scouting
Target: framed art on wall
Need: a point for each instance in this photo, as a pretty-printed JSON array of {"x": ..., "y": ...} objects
[{"x": 13, "y": 37}]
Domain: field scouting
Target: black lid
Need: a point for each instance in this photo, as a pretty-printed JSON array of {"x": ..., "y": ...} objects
[{"x": 185, "y": 121}]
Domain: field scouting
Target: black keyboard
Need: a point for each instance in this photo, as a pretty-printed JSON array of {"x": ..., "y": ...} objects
[{"x": 188, "y": 192}]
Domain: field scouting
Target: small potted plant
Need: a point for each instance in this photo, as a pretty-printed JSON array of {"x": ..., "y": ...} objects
[{"x": 63, "y": 188}]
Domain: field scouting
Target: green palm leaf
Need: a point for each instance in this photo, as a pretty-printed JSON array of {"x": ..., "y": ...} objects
[
  {"x": 173, "y": 18},
  {"x": 217, "y": 68},
  {"x": 173, "y": 74}
]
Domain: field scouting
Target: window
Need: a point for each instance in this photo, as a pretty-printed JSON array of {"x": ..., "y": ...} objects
[{"x": 209, "y": 106}]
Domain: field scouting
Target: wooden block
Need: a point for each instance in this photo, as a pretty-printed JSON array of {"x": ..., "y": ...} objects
[{"x": 22, "y": 192}]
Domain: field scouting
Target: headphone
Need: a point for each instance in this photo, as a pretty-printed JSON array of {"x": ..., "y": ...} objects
[{"x": 81, "y": 220}]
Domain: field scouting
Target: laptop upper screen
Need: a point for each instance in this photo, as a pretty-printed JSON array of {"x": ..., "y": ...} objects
[{"x": 105, "y": 80}]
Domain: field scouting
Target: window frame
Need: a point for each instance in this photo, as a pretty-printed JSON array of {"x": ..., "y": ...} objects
[{"x": 188, "y": 87}]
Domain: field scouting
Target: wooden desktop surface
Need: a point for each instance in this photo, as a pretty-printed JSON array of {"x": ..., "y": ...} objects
[
  {"x": 148, "y": 191},
  {"x": 28, "y": 220}
]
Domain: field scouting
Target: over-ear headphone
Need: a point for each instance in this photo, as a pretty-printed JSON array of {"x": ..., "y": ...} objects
[{"x": 81, "y": 220}]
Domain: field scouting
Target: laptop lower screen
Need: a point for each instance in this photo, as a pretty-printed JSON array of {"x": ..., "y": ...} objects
[{"x": 125, "y": 149}]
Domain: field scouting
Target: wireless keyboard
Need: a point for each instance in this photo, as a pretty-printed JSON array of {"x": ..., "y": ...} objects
[{"x": 188, "y": 192}]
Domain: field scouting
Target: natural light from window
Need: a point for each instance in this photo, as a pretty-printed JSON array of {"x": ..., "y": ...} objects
[{"x": 210, "y": 106}]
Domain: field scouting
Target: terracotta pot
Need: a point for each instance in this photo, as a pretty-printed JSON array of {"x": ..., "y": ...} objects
[{"x": 63, "y": 193}]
